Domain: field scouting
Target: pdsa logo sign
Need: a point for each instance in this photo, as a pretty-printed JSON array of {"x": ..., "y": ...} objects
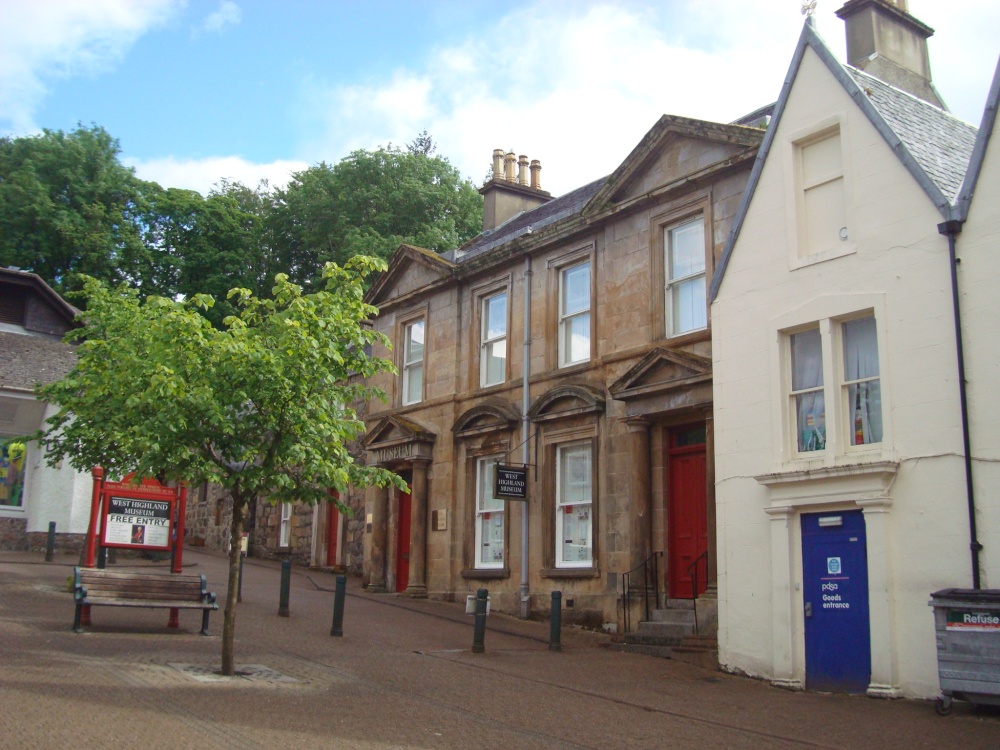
[{"x": 833, "y": 566}]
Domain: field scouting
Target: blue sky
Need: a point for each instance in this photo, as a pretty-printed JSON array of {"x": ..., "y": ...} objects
[{"x": 246, "y": 89}]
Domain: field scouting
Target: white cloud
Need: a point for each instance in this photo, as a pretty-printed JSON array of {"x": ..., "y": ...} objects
[
  {"x": 42, "y": 40},
  {"x": 203, "y": 174},
  {"x": 229, "y": 13},
  {"x": 577, "y": 85}
]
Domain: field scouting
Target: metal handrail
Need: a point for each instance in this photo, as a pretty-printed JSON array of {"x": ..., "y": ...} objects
[
  {"x": 627, "y": 586},
  {"x": 692, "y": 572}
]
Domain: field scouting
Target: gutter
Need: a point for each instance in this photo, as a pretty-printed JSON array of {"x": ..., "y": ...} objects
[{"x": 951, "y": 229}]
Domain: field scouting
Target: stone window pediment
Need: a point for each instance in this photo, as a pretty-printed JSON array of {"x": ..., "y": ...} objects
[
  {"x": 486, "y": 418},
  {"x": 661, "y": 371},
  {"x": 566, "y": 401}
]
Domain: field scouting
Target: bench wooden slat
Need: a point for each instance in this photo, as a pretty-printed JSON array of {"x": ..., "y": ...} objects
[
  {"x": 95, "y": 587},
  {"x": 149, "y": 603}
]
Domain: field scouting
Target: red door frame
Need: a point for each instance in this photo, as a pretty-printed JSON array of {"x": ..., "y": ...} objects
[
  {"x": 403, "y": 534},
  {"x": 687, "y": 522},
  {"x": 332, "y": 529}
]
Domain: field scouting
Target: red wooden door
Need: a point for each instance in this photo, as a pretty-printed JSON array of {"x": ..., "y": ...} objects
[
  {"x": 687, "y": 520},
  {"x": 332, "y": 529},
  {"x": 403, "y": 538}
]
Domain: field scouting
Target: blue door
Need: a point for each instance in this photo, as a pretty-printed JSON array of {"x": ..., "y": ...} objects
[{"x": 835, "y": 594}]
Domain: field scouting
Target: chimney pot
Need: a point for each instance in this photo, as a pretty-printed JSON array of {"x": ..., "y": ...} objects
[
  {"x": 509, "y": 160},
  {"x": 536, "y": 174},
  {"x": 497, "y": 163},
  {"x": 522, "y": 170}
]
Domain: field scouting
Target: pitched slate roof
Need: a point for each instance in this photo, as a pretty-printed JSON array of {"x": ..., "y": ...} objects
[
  {"x": 545, "y": 215},
  {"x": 29, "y": 359},
  {"x": 907, "y": 124},
  {"x": 939, "y": 141}
]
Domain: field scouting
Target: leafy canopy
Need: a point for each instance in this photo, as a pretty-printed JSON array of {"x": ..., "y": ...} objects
[
  {"x": 69, "y": 206},
  {"x": 261, "y": 407},
  {"x": 371, "y": 202}
]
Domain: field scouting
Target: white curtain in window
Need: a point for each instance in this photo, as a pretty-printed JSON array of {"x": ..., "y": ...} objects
[
  {"x": 864, "y": 394},
  {"x": 807, "y": 376}
]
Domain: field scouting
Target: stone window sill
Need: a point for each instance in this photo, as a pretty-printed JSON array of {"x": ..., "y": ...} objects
[{"x": 485, "y": 573}]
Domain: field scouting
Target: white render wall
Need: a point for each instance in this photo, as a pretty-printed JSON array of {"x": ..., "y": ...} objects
[
  {"x": 978, "y": 247},
  {"x": 911, "y": 487},
  {"x": 59, "y": 494}
]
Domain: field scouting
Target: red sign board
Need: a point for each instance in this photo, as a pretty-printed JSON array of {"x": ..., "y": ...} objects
[{"x": 137, "y": 516}]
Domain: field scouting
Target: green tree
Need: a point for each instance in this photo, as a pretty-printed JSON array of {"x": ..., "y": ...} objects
[
  {"x": 208, "y": 245},
  {"x": 260, "y": 407},
  {"x": 68, "y": 206},
  {"x": 369, "y": 203}
]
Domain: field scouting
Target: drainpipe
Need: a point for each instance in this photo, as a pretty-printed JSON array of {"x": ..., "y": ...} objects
[
  {"x": 951, "y": 228},
  {"x": 525, "y": 427}
]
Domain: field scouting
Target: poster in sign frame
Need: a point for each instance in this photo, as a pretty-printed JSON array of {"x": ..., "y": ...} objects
[
  {"x": 138, "y": 517},
  {"x": 511, "y": 482}
]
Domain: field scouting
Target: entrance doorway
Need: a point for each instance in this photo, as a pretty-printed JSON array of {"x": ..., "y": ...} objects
[
  {"x": 687, "y": 519},
  {"x": 332, "y": 529},
  {"x": 835, "y": 597},
  {"x": 403, "y": 533}
]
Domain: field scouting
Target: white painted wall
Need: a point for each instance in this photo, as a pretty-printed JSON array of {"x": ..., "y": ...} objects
[
  {"x": 978, "y": 248},
  {"x": 59, "y": 494},
  {"x": 912, "y": 485}
]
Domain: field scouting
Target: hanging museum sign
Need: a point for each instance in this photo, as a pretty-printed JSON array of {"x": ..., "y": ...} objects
[{"x": 511, "y": 482}]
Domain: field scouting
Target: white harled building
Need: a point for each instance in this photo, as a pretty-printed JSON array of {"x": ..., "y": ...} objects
[{"x": 842, "y": 499}]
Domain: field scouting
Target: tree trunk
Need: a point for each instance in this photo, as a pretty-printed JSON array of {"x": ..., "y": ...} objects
[{"x": 229, "y": 619}]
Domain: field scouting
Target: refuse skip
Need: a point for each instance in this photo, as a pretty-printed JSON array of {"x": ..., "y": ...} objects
[{"x": 967, "y": 625}]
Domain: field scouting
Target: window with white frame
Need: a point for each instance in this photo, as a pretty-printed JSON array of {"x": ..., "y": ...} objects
[
  {"x": 862, "y": 391},
  {"x": 489, "y": 517},
  {"x": 824, "y": 207},
  {"x": 684, "y": 261},
  {"x": 574, "y": 505},
  {"x": 493, "y": 358},
  {"x": 574, "y": 314},
  {"x": 285, "y": 528},
  {"x": 413, "y": 362},
  {"x": 857, "y": 396}
]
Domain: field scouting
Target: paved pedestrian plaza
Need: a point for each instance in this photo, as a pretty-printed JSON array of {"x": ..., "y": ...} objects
[{"x": 402, "y": 676}]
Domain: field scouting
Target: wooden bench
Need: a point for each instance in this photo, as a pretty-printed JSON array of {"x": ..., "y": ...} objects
[{"x": 107, "y": 588}]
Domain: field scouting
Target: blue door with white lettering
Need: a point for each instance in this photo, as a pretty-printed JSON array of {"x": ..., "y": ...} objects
[{"x": 835, "y": 595}]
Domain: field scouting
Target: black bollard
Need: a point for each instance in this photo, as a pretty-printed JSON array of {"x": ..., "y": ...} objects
[
  {"x": 338, "y": 606},
  {"x": 50, "y": 542},
  {"x": 239, "y": 586},
  {"x": 102, "y": 557},
  {"x": 479, "y": 630},
  {"x": 286, "y": 582},
  {"x": 555, "y": 622}
]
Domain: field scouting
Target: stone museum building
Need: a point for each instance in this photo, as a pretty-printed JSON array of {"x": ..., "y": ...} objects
[{"x": 571, "y": 337}]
